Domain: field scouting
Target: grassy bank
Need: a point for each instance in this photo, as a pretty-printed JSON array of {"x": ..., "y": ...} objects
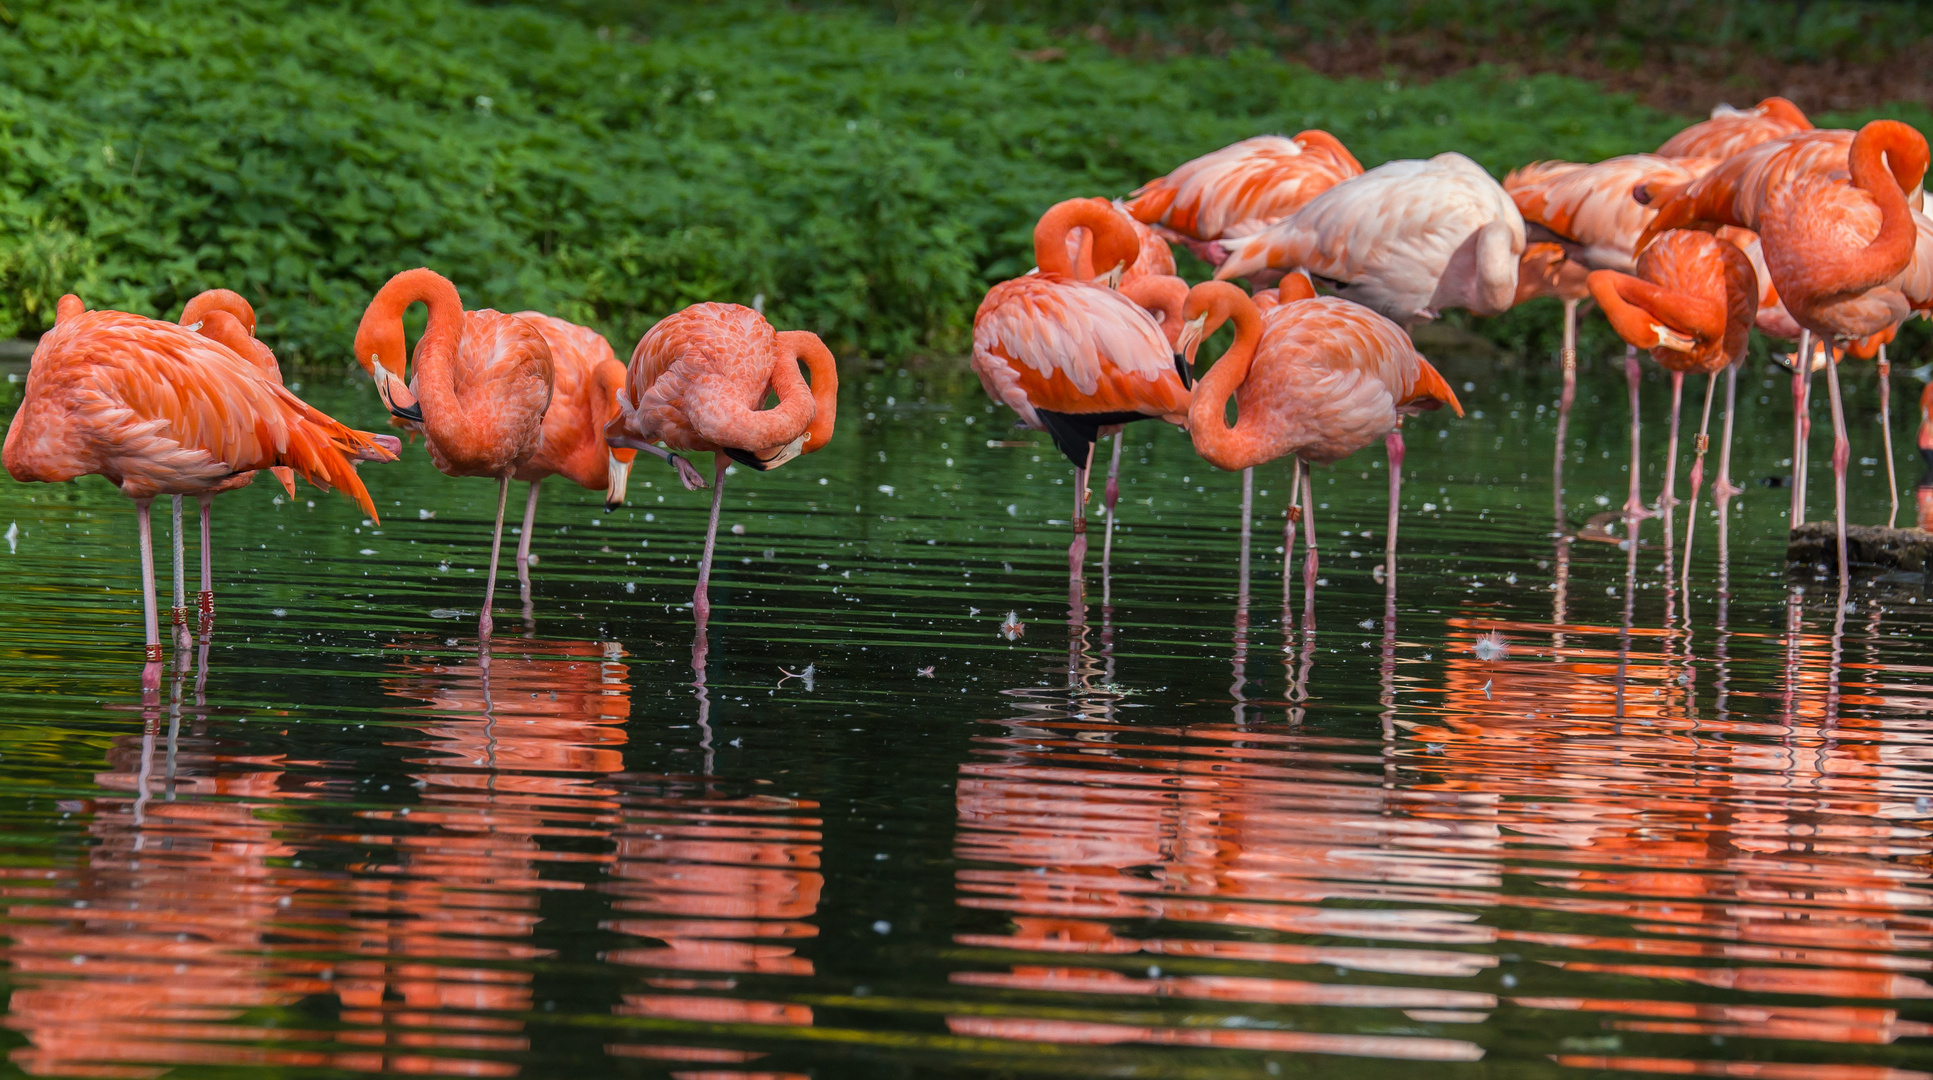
[{"x": 868, "y": 178}]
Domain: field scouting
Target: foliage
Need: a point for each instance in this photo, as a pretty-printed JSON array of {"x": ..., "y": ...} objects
[{"x": 870, "y": 180}]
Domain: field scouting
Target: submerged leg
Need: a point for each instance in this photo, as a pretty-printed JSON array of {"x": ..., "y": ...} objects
[
  {"x": 496, "y": 547},
  {"x": 206, "y": 601},
  {"x": 1886, "y": 433},
  {"x": 1697, "y": 478},
  {"x": 178, "y": 611},
  {"x": 1724, "y": 489},
  {"x": 1634, "y": 510},
  {"x": 1841, "y": 457},
  {"x": 1569, "y": 358},
  {"x": 151, "y": 673},
  {"x": 1668, "y": 498},
  {"x": 701, "y": 598}
]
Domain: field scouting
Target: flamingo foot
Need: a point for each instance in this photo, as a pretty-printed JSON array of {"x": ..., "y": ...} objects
[
  {"x": 688, "y": 474},
  {"x": 701, "y": 607},
  {"x": 1725, "y": 489},
  {"x": 1637, "y": 511},
  {"x": 485, "y": 625}
]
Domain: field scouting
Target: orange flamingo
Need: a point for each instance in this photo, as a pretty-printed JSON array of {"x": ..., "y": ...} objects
[
  {"x": 1406, "y": 239},
  {"x": 1730, "y": 131},
  {"x": 586, "y": 379},
  {"x": 1318, "y": 379},
  {"x": 482, "y": 384},
  {"x": 1692, "y": 304},
  {"x": 697, "y": 382},
  {"x": 1071, "y": 355},
  {"x": 1243, "y": 188},
  {"x": 1588, "y": 212},
  {"x": 225, "y": 316},
  {"x": 1839, "y": 252},
  {"x": 160, "y": 410}
]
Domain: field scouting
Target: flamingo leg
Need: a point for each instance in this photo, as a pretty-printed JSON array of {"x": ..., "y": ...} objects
[
  {"x": 1697, "y": 478},
  {"x": 178, "y": 613},
  {"x": 1801, "y": 423},
  {"x": 1248, "y": 511},
  {"x": 701, "y": 599},
  {"x": 151, "y": 673},
  {"x": 1634, "y": 510},
  {"x": 523, "y": 552},
  {"x": 1886, "y": 433},
  {"x": 1841, "y": 457},
  {"x": 1109, "y": 496},
  {"x": 1309, "y": 542},
  {"x": 1393, "y": 444},
  {"x": 1668, "y": 498},
  {"x": 1723, "y": 489},
  {"x": 1291, "y": 516},
  {"x": 1563, "y": 408},
  {"x": 688, "y": 474},
  {"x": 1077, "y": 550},
  {"x": 206, "y": 600},
  {"x": 496, "y": 547}
]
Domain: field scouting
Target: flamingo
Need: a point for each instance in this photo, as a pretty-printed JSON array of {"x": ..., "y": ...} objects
[
  {"x": 1406, "y": 239},
  {"x": 697, "y": 381},
  {"x": 1692, "y": 304},
  {"x": 1839, "y": 254},
  {"x": 1318, "y": 379},
  {"x": 1731, "y": 130},
  {"x": 482, "y": 384},
  {"x": 586, "y": 379},
  {"x": 1242, "y": 188},
  {"x": 158, "y": 409},
  {"x": 1588, "y": 212},
  {"x": 1071, "y": 355}
]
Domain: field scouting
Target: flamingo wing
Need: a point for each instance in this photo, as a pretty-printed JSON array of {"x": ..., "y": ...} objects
[
  {"x": 573, "y": 440},
  {"x": 1592, "y": 206},
  {"x": 1242, "y": 188},
  {"x": 1043, "y": 342},
  {"x": 1732, "y": 131}
]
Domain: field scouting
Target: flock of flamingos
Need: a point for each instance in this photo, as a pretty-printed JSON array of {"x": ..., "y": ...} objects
[{"x": 1750, "y": 218}]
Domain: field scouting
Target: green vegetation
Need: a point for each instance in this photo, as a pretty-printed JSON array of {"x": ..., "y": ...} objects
[{"x": 869, "y": 177}]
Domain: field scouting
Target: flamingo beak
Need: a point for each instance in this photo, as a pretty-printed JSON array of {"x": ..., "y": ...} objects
[
  {"x": 395, "y": 394},
  {"x": 614, "y": 491},
  {"x": 1673, "y": 340},
  {"x": 1190, "y": 337},
  {"x": 1112, "y": 279},
  {"x": 784, "y": 454}
]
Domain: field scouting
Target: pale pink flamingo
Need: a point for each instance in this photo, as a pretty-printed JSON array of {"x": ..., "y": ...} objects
[
  {"x": 481, "y": 385},
  {"x": 1406, "y": 239},
  {"x": 698, "y": 381},
  {"x": 1071, "y": 355},
  {"x": 1316, "y": 379},
  {"x": 160, "y": 410}
]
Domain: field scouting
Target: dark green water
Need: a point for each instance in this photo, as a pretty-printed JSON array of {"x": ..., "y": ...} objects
[{"x": 1155, "y": 838}]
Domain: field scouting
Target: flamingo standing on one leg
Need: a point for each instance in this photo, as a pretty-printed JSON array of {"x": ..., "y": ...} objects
[
  {"x": 1318, "y": 379},
  {"x": 1406, "y": 239},
  {"x": 586, "y": 380},
  {"x": 1072, "y": 356},
  {"x": 1692, "y": 304},
  {"x": 1730, "y": 130},
  {"x": 160, "y": 410},
  {"x": 1242, "y": 188},
  {"x": 698, "y": 381},
  {"x": 1838, "y": 251},
  {"x": 482, "y": 384}
]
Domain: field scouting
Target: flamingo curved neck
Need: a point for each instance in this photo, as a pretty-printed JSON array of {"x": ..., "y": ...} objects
[
  {"x": 1892, "y": 248},
  {"x": 797, "y": 345},
  {"x": 1108, "y": 234},
  {"x": 1224, "y": 446}
]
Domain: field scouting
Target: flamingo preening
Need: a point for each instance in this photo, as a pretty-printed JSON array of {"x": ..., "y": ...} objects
[
  {"x": 1242, "y": 188},
  {"x": 159, "y": 409},
  {"x": 698, "y": 382},
  {"x": 1071, "y": 355}
]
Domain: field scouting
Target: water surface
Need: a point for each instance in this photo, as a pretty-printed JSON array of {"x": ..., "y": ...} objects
[{"x": 857, "y": 832}]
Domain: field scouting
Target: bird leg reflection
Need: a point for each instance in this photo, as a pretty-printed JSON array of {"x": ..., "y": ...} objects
[
  {"x": 1624, "y": 629},
  {"x": 1240, "y": 663},
  {"x": 700, "y": 648}
]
